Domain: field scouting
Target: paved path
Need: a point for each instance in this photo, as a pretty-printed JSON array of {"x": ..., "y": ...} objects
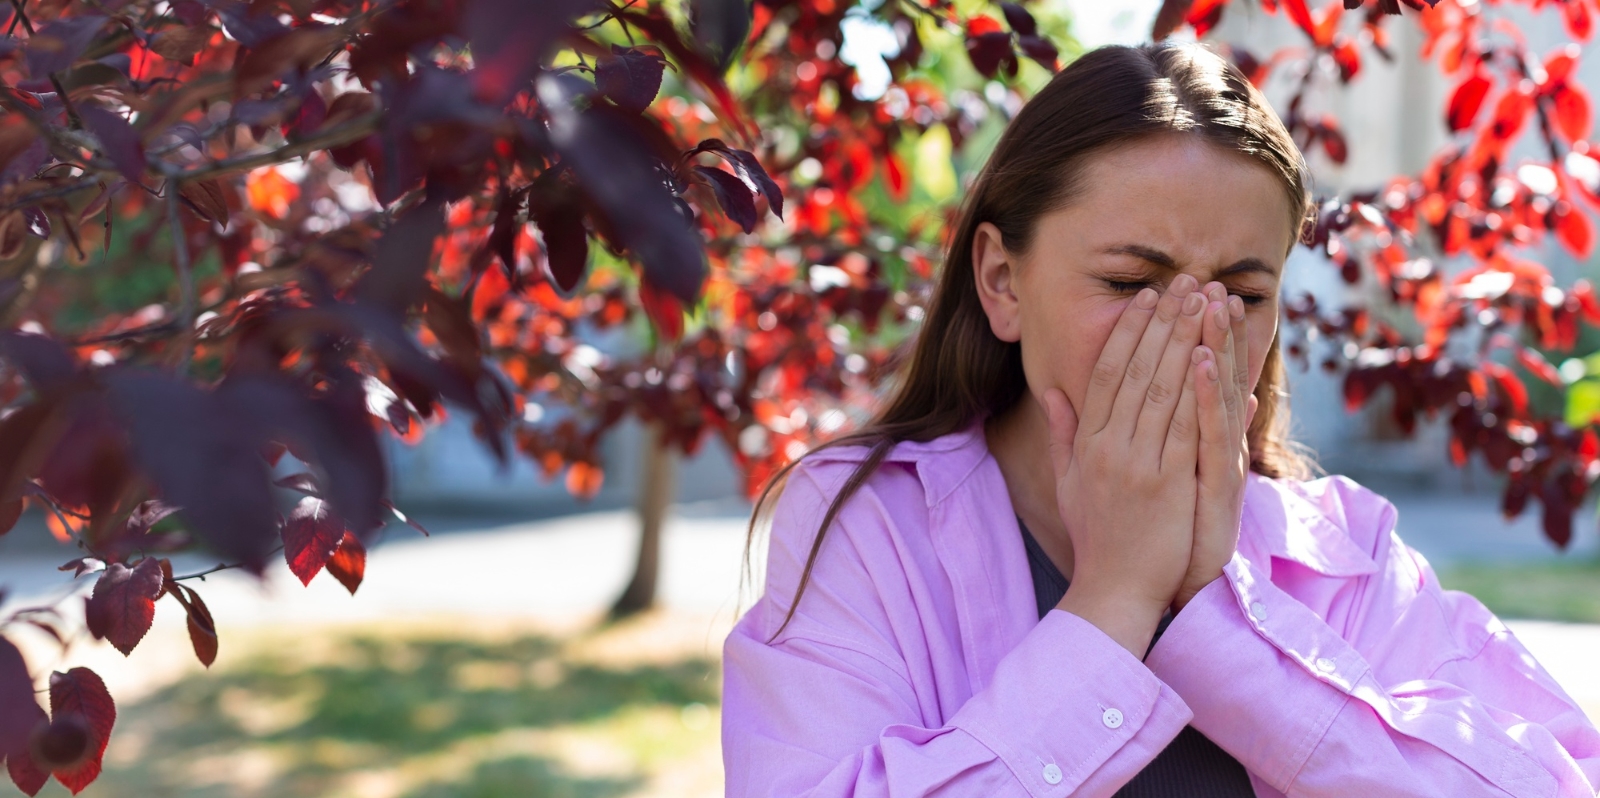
[{"x": 566, "y": 570}]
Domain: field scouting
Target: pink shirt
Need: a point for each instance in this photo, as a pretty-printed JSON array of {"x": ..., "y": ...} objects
[{"x": 1327, "y": 659}]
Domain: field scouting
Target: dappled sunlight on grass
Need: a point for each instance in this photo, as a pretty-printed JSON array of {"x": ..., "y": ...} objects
[
  {"x": 627, "y": 710},
  {"x": 1566, "y": 590}
]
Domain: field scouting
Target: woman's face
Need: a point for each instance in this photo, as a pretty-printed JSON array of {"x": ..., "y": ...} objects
[{"x": 1145, "y": 213}]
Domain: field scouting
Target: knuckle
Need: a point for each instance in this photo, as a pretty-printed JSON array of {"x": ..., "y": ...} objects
[
  {"x": 1139, "y": 369},
  {"x": 1105, "y": 375},
  {"x": 1160, "y": 392}
]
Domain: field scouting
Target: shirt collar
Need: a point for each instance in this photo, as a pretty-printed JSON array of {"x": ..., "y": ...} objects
[{"x": 1284, "y": 523}]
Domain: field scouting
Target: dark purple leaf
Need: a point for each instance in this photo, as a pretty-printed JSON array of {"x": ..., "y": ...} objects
[
  {"x": 38, "y": 222},
  {"x": 509, "y": 39},
  {"x": 1019, "y": 19},
  {"x": 147, "y": 514},
  {"x": 304, "y": 482},
  {"x": 1171, "y": 15},
  {"x": 751, "y": 172},
  {"x": 19, "y": 711},
  {"x": 57, "y": 45},
  {"x": 203, "y": 458},
  {"x": 412, "y": 522},
  {"x": 117, "y": 138},
  {"x": 46, "y": 364},
  {"x": 332, "y": 428},
  {"x": 990, "y": 52},
  {"x": 251, "y": 25},
  {"x": 734, "y": 196},
  {"x": 1040, "y": 50},
  {"x": 612, "y": 162},
  {"x": 401, "y": 258},
  {"x": 123, "y": 606},
  {"x": 554, "y": 208},
  {"x": 631, "y": 77},
  {"x": 720, "y": 26}
]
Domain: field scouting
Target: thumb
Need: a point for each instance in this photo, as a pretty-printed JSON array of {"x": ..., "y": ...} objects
[{"x": 1063, "y": 429}]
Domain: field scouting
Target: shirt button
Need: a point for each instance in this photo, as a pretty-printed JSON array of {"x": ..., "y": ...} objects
[
  {"x": 1052, "y": 774},
  {"x": 1325, "y": 665},
  {"x": 1112, "y": 718},
  {"x": 1258, "y": 610}
]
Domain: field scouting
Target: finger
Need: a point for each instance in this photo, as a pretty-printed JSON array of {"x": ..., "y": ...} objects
[
  {"x": 1113, "y": 362},
  {"x": 1161, "y": 396},
  {"x": 1063, "y": 424},
  {"x": 1217, "y": 336},
  {"x": 1240, "y": 332},
  {"x": 1219, "y": 445},
  {"x": 1250, "y": 416},
  {"x": 1147, "y": 355},
  {"x": 1182, "y": 443}
]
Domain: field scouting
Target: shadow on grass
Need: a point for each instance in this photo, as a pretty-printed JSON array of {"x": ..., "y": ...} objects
[{"x": 462, "y": 717}]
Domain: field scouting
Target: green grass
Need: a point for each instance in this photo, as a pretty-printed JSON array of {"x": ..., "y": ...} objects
[
  {"x": 420, "y": 714},
  {"x": 1567, "y": 590}
]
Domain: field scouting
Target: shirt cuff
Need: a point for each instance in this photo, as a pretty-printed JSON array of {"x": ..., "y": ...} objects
[{"x": 1064, "y": 701}]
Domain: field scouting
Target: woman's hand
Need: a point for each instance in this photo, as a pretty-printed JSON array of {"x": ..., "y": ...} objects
[
  {"x": 1125, "y": 467},
  {"x": 1225, "y": 406}
]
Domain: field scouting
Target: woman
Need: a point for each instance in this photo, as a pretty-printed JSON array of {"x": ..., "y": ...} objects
[{"x": 1074, "y": 554}]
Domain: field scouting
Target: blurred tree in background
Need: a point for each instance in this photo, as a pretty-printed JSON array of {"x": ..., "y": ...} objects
[{"x": 233, "y": 233}]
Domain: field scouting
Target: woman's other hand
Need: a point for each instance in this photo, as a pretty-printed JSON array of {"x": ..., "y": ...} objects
[
  {"x": 1225, "y": 408},
  {"x": 1126, "y": 466}
]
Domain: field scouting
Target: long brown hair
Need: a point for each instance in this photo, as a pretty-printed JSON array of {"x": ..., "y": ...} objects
[{"x": 958, "y": 372}]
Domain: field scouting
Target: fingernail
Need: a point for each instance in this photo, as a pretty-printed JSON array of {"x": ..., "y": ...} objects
[
  {"x": 1218, "y": 314},
  {"x": 1208, "y": 370},
  {"x": 1184, "y": 284},
  {"x": 1235, "y": 307},
  {"x": 1216, "y": 291},
  {"x": 1146, "y": 298},
  {"x": 1193, "y": 303},
  {"x": 1201, "y": 354}
]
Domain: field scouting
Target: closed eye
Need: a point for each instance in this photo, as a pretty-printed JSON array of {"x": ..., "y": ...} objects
[{"x": 1122, "y": 287}]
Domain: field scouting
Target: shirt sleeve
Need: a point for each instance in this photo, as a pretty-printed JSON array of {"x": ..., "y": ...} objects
[
  {"x": 830, "y": 708},
  {"x": 1423, "y": 693}
]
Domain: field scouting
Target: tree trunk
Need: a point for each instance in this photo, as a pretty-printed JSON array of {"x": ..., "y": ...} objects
[{"x": 657, "y": 485}]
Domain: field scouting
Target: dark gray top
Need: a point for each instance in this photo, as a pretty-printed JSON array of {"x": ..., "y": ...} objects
[{"x": 1191, "y": 765}]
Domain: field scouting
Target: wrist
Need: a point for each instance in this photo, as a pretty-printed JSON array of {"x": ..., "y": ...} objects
[{"x": 1128, "y": 619}]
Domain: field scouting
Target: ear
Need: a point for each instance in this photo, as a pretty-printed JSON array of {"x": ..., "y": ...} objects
[{"x": 995, "y": 271}]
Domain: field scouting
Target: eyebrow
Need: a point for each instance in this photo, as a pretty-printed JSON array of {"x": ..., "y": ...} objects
[{"x": 1165, "y": 261}]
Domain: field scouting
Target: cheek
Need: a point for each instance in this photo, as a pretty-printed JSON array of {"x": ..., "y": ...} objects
[
  {"x": 1262, "y": 328},
  {"x": 1060, "y": 348}
]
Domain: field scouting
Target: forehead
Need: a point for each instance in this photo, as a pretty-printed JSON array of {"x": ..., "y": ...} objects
[{"x": 1196, "y": 201}]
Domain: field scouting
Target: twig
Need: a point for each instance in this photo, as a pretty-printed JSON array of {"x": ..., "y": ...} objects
[{"x": 201, "y": 575}]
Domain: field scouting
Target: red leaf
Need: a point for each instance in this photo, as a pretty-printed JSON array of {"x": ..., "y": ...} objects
[
  {"x": 895, "y": 173},
  {"x": 1204, "y": 15},
  {"x": 25, "y": 773},
  {"x": 1333, "y": 142},
  {"x": 123, "y": 604},
  {"x": 1574, "y": 230},
  {"x": 1560, "y": 63},
  {"x": 1572, "y": 111},
  {"x": 349, "y": 563},
  {"x": 61, "y": 744},
  {"x": 1579, "y": 22},
  {"x": 1348, "y": 57},
  {"x": 1168, "y": 19},
  {"x": 981, "y": 24},
  {"x": 1536, "y": 363},
  {"x": 1516, "y": 394},
  {"x": 664, "y": 310},
  {"x": 1301, "y": 16},
  {"x": 1323, "y": 30},
  {"x": 202, "y": 629},
  {"x": 310, "y": 537},
  {"x": 1510, "y": 114},
  {"x": 81, "y": 692},
  {"x": 1466, "y": 100}
]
